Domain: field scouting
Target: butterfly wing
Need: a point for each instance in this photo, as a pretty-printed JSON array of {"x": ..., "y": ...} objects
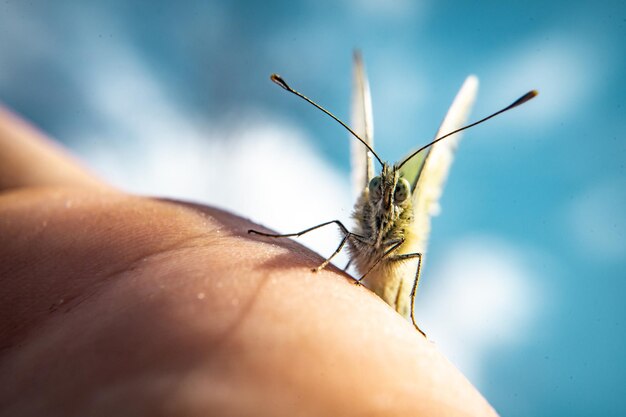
[
  {"x": 412, "y": 168},
  {"x": 362, "y": 124},
  {"x": 428, "y": 173}
]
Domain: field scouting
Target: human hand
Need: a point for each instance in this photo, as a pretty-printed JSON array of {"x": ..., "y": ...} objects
[{"x": 114, "y": 304}]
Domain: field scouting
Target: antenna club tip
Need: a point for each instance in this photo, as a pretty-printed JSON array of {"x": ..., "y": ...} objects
[
  {"x": 523, "y": 99},
  {"x": 530, "y": 94},
  {"x": 277, "y": 79}
]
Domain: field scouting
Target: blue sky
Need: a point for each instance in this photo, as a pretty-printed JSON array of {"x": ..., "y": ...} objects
[{"x": 526, "y": 271}]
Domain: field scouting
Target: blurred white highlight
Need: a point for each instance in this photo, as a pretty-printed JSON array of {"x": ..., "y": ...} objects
[
  {"x": 565, "y": 74},
  {"x": 483, "y": 296},
  {"x": 259, "y": 168}
]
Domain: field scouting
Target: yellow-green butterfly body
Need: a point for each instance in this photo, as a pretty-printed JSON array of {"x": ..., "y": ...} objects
[
  {"x": 384, "y": 214},
  {"x": 394, "y": 208}
]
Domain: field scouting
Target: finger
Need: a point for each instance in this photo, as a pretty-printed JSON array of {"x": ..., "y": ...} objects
[
  {"x": 28, "y": 158},
  {"x": 155, "y": 305}
]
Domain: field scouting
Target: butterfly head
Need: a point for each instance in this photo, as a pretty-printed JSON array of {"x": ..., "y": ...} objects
[{"x": 389, "y": 194}]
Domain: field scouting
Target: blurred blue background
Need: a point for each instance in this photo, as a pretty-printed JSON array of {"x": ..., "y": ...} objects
[{"x": 526, "y": 276}]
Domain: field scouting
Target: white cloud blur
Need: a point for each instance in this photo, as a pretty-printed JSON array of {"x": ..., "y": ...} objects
[
  {"x": 261, "y": 168},
  {"x": 484, "y": 296},
  {"x": 565, "y": 73}
]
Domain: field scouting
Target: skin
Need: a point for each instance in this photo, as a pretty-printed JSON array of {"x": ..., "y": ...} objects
[{"x": 114, "y": 304}]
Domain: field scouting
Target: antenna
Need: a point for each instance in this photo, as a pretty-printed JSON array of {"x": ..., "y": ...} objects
[
  {"x": 523, "y": 99},
  {"x": 277, "y": 79}
]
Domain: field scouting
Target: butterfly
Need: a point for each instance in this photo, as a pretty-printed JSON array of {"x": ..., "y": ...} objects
[{"x": 393, "y": 210}]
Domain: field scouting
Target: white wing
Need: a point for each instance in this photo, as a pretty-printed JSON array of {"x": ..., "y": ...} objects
[
  {"x": 362, "y": 124},
  {"x": 434, "y": 171}
]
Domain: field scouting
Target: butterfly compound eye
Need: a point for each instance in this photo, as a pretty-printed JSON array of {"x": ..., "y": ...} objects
[
  {"x": 374, "y": 186},
  {"x": 401, "y": 192}
]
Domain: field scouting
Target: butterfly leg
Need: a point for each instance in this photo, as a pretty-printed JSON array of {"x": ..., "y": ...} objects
[
  {"x": 339, "y": 248},
  {"x": 405, "y": 257},
  {"x": 341, "y": 226},
  {"x": 345, "y": 268},
  {"x": 344, "y": 229},
  {"x": 347, "y": 236},
  {"x": 401, "y": 258},
  {"x": 394, "y": 245}
]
